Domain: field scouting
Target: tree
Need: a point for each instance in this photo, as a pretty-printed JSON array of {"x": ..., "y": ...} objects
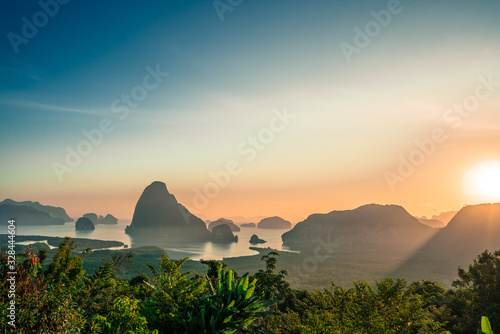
[
  {"x": 124, "y": 317},
  {"x": 172, "y": 297},
  {"x": 479, "y": 291},
  {"x": 269, "y": 284},
  {"x": 40, "y": 307},
  {"x": 65, "y": 268}
]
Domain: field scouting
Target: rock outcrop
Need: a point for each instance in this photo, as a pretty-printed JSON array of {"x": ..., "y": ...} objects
[
  {"x": 158, "y": 213},
  {"x": 256, "y": 240},
  {"x": 222, "y": 233},
  {"x": 84, "y": 224},
  {"x": 274, "y": 223},
  {"x": 221, "y": 221}
]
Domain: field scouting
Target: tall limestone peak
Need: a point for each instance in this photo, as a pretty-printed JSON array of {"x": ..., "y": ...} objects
[{"x": 158, "y": 212}]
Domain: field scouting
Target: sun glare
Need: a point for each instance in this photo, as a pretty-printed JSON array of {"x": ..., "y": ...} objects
[{"x": 482, "y": 182}]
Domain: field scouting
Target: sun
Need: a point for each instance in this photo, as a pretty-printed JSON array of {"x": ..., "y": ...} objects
[{"x": 482, "y": 182}]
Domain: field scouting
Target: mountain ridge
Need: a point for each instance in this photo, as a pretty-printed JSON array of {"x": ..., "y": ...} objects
[{"x": 52, "y": 211}]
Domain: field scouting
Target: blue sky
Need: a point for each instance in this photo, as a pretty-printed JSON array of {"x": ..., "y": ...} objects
[{"x": 353, "y": 119}]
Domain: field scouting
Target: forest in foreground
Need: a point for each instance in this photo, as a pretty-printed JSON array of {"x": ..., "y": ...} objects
[{"x": 60, "y": 297}]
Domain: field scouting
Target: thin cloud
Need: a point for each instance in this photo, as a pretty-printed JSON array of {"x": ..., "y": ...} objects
[{"x": 54, "y": 108}]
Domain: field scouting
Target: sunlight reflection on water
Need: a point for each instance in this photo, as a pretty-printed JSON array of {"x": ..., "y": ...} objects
[{"x": 195, "y": 251}]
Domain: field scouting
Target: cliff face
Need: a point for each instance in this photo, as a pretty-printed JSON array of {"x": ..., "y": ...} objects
[
  {"x": 158, "y": 213},
  {"x": 369, "y": 225}
]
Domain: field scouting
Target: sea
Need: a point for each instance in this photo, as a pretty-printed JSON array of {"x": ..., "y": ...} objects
[{"x": 195, "y": 251}]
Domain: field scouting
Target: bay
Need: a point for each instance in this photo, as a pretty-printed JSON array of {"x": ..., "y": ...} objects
[{"x": 195, "y": 251}]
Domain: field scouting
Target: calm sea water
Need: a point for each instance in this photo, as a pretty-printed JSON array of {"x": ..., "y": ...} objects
[{"x": 195, "y": 251}]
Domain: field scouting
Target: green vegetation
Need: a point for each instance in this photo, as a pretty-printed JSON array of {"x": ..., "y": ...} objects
[{"x": 54, "y": 294}]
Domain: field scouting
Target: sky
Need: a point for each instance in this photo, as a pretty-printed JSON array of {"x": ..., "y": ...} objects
[{"x": 248, "y": 108}]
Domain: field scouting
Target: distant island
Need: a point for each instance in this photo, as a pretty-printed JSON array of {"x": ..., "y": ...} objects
[
  {"x": 221, "y": 221},
  {"x": 274, "y": 223},
  {"x": 52, "y": 211},
  {"x": 27, "y": 216},
  {"x": 108, "y": 220},
  {"x": 367, "y": 226}
]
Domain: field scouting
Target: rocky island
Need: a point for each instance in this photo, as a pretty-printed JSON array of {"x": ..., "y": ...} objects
[
  {"x": 158, "y": 213},
  {"x": 84, "y": 224},
  {"x": 222, "y": 234},
  {"x": 256, "y": 240}
]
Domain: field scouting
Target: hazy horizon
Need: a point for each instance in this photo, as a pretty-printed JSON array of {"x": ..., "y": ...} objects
[{"x": 267, "y": 109}]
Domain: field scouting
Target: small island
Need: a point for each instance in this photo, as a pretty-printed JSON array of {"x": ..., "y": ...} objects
[
  {"x": 256, "y": 240},
  {"x": 248, "y": 225},
  {"x": 222, "y": 234},
  {"x": 84, "y": 224}
]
